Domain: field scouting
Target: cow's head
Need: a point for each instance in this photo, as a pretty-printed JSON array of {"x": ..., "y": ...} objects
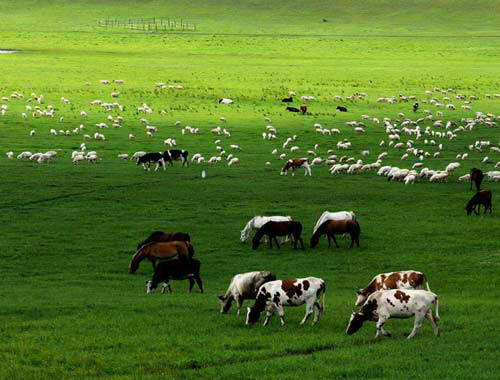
[
  {"x": 355, "y": 322},
  {"x": 361, "y": 297},
  {"x": 253, "y": 315},
  {"x": 243, "y": 236},
  {"x": 149, "y": 287},
  {"x": 225, "y": 303}
]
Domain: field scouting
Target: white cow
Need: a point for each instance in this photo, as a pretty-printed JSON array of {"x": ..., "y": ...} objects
[
  {"x": 339, "y": 215},
  {"x": 244, "y": 286},
  {"x": 396, "y": 303},
  {"x": 258, "y": 221},
  {"x": 274, "y": 295}
]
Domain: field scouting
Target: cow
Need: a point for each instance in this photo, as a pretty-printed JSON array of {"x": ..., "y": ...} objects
[
  {"x": 341, "y": 109},
  {"x": 287, "y": 100},
  {"x": 408, "y": 279},
  {"x": 396, "y": 303},
  {"x": 148, "y": 158},
  {"x": 175, "y": 154},
  {"x": 274, "y": 295},
  {"x": 225, "y": 101},
  {"x": 303, "y": 109},
  {"x": 295, "y": 164},
  {"x": 243, "y": 286},
  {"x": 292, "y": 109},
  {"x": 175, "y": 269}
]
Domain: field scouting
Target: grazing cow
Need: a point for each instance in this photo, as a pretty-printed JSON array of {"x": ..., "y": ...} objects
[
  {"x": 341, "y": 109},
  {"x": 477, "y": 176},
  {"x": 292, "y": 109},
  {"x": 175, "y": 154},
  {"x": 339, "y": 215},
  {"x": 337, "y": 227},
  {"x": 148, "y": 158},
  {"x": 175, "y": 269},
  {"x": 273, "y": 229},
  {"x": 408, "y": 279},
  {"x": 287, "y": 100},
  {"x": 274, "y": 295},
  {"x": 295, "y": 164},
  {"x": 244, "y": 286},
  {"x": 482, "y": 197},
  {"x": 415, "y": 107},
  {"x": 303, "y": 109},
  {"x": 395, "y": 303}
]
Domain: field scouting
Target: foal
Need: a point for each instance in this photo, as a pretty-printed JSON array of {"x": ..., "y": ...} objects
[
  {"x": 273, "y": 229},
  {"x": 337, "y": 227},
  {"x": 482, "y": 197}
]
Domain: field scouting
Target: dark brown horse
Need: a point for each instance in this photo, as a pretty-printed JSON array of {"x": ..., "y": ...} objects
[
  {"x": 159, "y": 236},
  {"x": 337, "y": 227},
  {"x": 178, "y": 250},
  {"x": 482, "y": 197},
  {"x": 273, "y": 229},
  {"x": 477, "y": 176}
]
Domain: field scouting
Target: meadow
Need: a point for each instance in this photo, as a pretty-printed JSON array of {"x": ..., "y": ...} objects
[{"x": 69, "y": 306}]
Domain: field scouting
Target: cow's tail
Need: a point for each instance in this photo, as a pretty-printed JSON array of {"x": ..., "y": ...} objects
[
  {"x": 437, "y": 309},
  {"x": 323, "y": 297},
  {"x": 427, "y": 285}
]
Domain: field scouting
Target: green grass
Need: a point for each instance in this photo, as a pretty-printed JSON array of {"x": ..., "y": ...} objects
[{"x": 69, "y": 307}]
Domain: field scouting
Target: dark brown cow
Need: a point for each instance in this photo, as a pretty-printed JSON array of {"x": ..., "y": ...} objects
[{"x": 295, "y": 164}]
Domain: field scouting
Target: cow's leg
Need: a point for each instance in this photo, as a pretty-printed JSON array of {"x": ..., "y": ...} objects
[
  {"x": 309, "y": 311},
  {"x": 318, "y": 311},
  {"x": 380, "y": 326},
  {"x": 163, "y": 164},
  {"x": 416, "y": 326},
  {"x": 301, "y": 242},
  {"x": 432, "y": 321},
  {"x": 166, "y": 286},
  {"x": 269, "y": 314},
  {"x": 239, "y": 303},
  {"x": 281, "y": 313}
]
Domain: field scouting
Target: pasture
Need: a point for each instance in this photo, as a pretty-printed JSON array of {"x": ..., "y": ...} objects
[{"x": 69, "y": 306}]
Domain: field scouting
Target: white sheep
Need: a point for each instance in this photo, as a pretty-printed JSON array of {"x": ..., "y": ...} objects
[{"x": 123, "y": 156}]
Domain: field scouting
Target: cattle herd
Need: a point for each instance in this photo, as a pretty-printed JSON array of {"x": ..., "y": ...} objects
[{"x": 388, "y": 295}]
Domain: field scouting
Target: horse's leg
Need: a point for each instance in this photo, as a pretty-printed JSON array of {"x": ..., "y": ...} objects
[
  {"x": 276, "y": 241},
  {"x": 335, "y": 241},
  {"x": 270, "y": 241},
  {"x": 329, "y": 240},
  {"x": 301, "y": 242},
  {"x": 199, "y": 282},
  {"x": 191, "y": 284}
]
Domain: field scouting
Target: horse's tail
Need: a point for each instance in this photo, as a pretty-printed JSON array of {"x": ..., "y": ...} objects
[
  {"x": 190, "y": 249},
  {"x": 357, "y": 228}
]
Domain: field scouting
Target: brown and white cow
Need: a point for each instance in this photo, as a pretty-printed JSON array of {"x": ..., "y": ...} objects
[
  {"x": 274, "y": 295},
  {"x": 396, "y": 303},
  {"x": 295, "y": 164},
  {"x": 408, "y": 279}
]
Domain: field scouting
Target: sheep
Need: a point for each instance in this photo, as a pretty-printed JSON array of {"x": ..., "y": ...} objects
[
  {"x": 282, "y": 156},
  {"x": 274, "y": 151},
  {"x": 294, "y": 149},
  {"x": 104, "y": 81},
  {"x": 123, "y": 156},
  {"x": 235, "y": 147},
  {"x": 233, "y": 161},
  {"x": 25, "y": 154},
  {"x": 32, "y": 133},
  {"x": 10, "y": 155},
  {"x": 99, "y": 136},
  {"x": 409, "y": 179},
  {"x": 335, "y": 130},
  {"x": 149, "y": 134},
  {"x": 452, "y": 166},
  {"x": 78, "y": 158},
  {"x": 464, "y": 178},
  {"x": 131, "y": 136},
  {"x": 439, "y": 177}
]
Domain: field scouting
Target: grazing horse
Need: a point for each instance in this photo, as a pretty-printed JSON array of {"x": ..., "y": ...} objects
[
  {"x": 172, "y": 155},
  {"x": 160, "y": 236},
  {"x": 172, "y": 250},
  {"x": 258, "y": 221},
  {"x": 295, "y": 164},
  {"x": 175, "y": 270},
  {"x": 477, "y": 176},
  {"x": 337, "y": 227},
  {"x": 482, "y": 197},
  {"x": 273, "y": 229},
  {"x": 339, "y": 215}
]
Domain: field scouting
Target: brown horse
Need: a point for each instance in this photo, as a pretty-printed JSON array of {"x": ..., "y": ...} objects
[
  {"x": 482, "y": 197},
  {"x": 180, "y": 250},
  {"x": 158, "y": 236},
  {"x": 337, "y": 227},
  {"x": 273, "y": 229},
  {"x": 477, "y": 176}
]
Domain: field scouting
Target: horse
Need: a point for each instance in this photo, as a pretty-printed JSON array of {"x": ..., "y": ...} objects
[
  {"x": 482, "y": 197},
  {"x": 273, "y": 229},
  {"x": 160, "y": 236},
  {"x": 339, "y": 215},
  {"x": 337, "y": 227},
  {"x": 477, "y": 176},
  {"x": 258, "y": 221},
  {"x": 175, "y": 270},
  {"x": 172, "y": 250}
]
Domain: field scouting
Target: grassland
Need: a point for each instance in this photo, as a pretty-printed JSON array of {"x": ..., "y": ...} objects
[{"x": 69, "y": 307}]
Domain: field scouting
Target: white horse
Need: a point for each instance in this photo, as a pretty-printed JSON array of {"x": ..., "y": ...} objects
[
  {"x": 258, "y": 221},
  {"x": 340, "y": 215}
]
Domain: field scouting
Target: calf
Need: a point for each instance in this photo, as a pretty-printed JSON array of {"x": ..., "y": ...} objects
[
  {"x": 295, "y": 164},
  {"x": 243, "y": 286},
  {"x": 175, "y": 269},
  {"x": 341, "y": 109},
  {"x": 175, "y": 154},
  {"x": 274, "y": 295},
  {"x": 408, "y": 279},
  {"x": 148, "y": 158},
  {"x": 395, "y": 303}
]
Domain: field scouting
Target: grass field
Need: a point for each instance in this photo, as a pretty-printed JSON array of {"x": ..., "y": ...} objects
[{"x": 69, "y": 306}]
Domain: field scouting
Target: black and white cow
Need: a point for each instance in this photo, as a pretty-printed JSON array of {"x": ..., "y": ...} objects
[
  {"x": 149, "y": 158},
  {"x": 175, "y": 269},
  {"x": 176, "y": 154},
  {"x": 396, "y": 303},
  {"x": 244, "y": 286},
  {"x": 274, "y": 295}
]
